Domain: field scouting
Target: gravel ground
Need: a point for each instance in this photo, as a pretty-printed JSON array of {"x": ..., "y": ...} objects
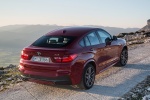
[{"x": 109, "y": 85}]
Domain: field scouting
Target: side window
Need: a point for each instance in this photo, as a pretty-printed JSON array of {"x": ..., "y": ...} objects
[
  {"x": 82, "y": 43},
  {"x": 93, "y": 38},
  {"x": 87, "y": 43},
  {"x": 103, "y": 36}
]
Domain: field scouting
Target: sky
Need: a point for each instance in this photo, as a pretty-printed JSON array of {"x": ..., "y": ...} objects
[{"x": 113, "y": 13}]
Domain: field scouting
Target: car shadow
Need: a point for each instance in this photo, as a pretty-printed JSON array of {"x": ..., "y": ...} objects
[
  {"x": 114, "y": 82},
  {"x": 100, "y": 88}
]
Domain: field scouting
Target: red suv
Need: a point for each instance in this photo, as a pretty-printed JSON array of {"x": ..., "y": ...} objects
[{"x": 72, "y": 56}]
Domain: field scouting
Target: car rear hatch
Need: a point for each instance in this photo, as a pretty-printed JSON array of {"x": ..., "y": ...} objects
[
  {"x": 42, "y": 58},
  {"x": 47, "y": 54}
]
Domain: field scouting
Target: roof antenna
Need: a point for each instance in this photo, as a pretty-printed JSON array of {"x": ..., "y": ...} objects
[{"x": 64, "y": 31}]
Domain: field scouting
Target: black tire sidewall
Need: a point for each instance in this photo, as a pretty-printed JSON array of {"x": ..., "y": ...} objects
[
  {"x": 83, "y": 77},
  {"x": 121, "y": 58}
]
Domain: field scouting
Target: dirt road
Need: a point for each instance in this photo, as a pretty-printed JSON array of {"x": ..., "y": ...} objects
[{"x": 109, "y": 85}]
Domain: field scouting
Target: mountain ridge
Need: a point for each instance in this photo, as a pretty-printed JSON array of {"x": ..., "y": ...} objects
[{"x": 111, "y": 30}]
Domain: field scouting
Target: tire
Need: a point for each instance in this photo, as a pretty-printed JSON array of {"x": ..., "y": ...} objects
[
  {"x": 123, "y": 58},
  {"x": 88, "y": 77}
]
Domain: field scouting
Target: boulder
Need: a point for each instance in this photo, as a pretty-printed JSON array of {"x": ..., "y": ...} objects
[
  {"x": 1, "y": 72},
  {"x": 11, "y": 66},
  {"x": 147, "y": 97},
  {"x": 148, "y": 89},
  {"x": 1, "y": 68}
]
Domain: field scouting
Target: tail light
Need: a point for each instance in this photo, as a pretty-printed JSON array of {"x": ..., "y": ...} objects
[
  {"x": 67, "y": 58},
  {"x": 24, "y": 55}
]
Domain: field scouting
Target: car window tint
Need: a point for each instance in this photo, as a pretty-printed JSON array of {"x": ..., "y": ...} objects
[
  {"x": 103, "y": 36},
  {"x": 93, "y": 38},
  {"x": 82, "y": 43},
  {"x": 53, "y": 41},
  {"x": 87, "y": 43}
]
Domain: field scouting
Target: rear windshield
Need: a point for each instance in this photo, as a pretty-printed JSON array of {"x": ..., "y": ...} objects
[{"x": 53, "y": 41}]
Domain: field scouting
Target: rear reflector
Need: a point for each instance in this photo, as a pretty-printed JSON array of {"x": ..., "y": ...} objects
[{"x": 64, "y": 59}]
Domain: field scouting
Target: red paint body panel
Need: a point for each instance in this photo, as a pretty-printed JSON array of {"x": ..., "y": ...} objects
[{"x": 101, "y": 55}]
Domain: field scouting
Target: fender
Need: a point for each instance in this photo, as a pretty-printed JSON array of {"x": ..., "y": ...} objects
[
  {"x": 90, "y": 60},
  {"x": 123, "y": 44}
]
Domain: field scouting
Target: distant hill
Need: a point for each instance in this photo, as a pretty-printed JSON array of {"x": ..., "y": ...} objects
[
  {"x": 19, "y": 36},
  {"x": 115, "y": 30}
]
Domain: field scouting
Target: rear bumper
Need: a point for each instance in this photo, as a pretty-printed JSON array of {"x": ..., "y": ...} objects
[
  {"x": 56, "y": 73},
  {"x": 61, "y": 80}
]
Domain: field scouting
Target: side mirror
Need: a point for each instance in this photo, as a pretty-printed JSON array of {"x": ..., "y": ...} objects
[
  {"x": 114, "y": 38},
  {"x": 108, "y": 41}
]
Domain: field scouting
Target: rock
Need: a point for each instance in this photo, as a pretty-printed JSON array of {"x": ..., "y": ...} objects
[
  {"x": 6, "y": 71},
  {"x": 11, "y": 66},
  {"x": 1, "y": 72},
  {"x": 9, "y": 76},
  {"x": 1, "y": 83},
  {"x": 138, "y": 90},
  {"x": 4, "y": 82},
  {"x": 148, "y": 88},
  {"x": 9, "y": 79},
  {"x": 121, "y": 99},
  {"x": 10, "y": 86},
  {"x": 6, "y": 75},
  {"x": 134, "y": 96},
  {"x": 13, "y": 81},
  {"x": 147, "y": 97},
  {"x": 1, "y": 68},
  {"x": 19, "y": 80},
  {"x": 1, "y": 88}
]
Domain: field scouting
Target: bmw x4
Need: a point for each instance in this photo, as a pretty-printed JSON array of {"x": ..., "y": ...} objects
[{"x": 72, "y": 56}]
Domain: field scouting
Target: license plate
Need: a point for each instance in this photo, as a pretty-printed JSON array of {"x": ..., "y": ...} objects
[{"x": 40, "y": 59}]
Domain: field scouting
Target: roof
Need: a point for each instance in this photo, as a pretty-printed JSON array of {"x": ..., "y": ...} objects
[{"x": 72, "y": 31}]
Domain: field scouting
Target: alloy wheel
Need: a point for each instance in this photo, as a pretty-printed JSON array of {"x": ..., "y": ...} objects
[
  {"x": 124, "y": 57},
  {"x": 89, "y": 76}
]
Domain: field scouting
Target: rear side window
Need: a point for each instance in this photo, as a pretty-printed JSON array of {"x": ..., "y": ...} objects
[
  {"x": 87, "y": 42},
  {"x": 53, "y": 41},
  {"x": 82, "y": 43},
  {"x": 93, "y": 38}
]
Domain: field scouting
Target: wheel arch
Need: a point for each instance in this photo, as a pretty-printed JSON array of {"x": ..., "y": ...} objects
[
  {"x": 122, "y": 48},
  {"x": 92, "y": 62}
]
